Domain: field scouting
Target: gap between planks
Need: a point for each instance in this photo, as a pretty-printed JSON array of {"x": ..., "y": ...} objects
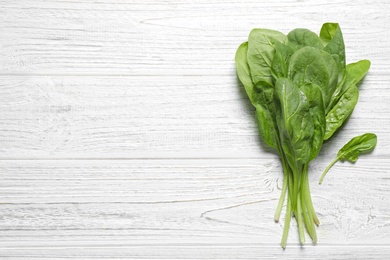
[
  {"x": 114, "y": 75},
  {"x": 140, "y": 75},
  {"x": 132, "y": 159}
]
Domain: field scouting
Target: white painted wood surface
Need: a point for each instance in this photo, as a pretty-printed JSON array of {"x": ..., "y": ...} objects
[{"x": 124, "y": 133}]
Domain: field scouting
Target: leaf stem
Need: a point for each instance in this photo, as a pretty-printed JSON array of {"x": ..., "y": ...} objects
[
  {"x": 309, "y": 202},
  {"x": 298, "y": 215},
  {"x": 327, "y": 169},
  {"x": 284, "y": 189},
  {"x": 295, "y": 189},
  {"x": 281, "y": 199},
  {"x": 307, "y": 214},
  {"x": 287, "y": 221}
]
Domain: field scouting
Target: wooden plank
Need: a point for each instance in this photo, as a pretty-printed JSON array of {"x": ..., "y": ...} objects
[
  {"x": 168, "y": 37},
  {"x": 228, "y": 251},
  {"x": 153, "y": 117},
  {"x": 184, "y": 209}
]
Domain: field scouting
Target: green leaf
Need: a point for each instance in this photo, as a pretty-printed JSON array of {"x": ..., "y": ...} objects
[
  {"x": 333, "y": 73},
  {"x": 317, "y": 113},
  {"x": 243, "y": 71},
  {"x": 261, "y": 52},
  {"x": 353, "y": 149},
  {"x": 264, "y": 94},
  {"x": 294, "y": 122},
  {"x": 357, "y": 146},
  {"x": 341, "y": 111},
  {"x": 261, "y": 98},
  {"x": 308, "y": 66},
  {"x": 328, "y": 30},
  {"x": 266, "y": 126},
  {"x": 331, "y": 34},
  {"x": 280, "y": 61},
  {"x": 354, "y": 73},
  {"x": 265, "y": 110},
  {"x": 299, "y": 38},
  {"x": 264, "y": 116}
]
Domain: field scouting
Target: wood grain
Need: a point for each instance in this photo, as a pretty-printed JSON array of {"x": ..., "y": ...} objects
[
  {"x": 88, "y": 208},
  {"x": 153, "y": 117},
  {"x": 169, "y": 37}
]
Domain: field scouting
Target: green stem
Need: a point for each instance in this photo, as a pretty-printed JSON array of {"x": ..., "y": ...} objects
[
  {"x": 309, "y": 202},
  {"x": 308, "y": 222},
  {"x": 298, "y": 215},
  {"x": 295, "y": 189},
  {"x": 327, "y": 169},
  {"x": 286, "y": 223},
  {"x": 284, "y": 189},
  {"x": 307, "y": 215},
  {"x": 281, "y": 199},
  {"x": 290, "y": 188}
]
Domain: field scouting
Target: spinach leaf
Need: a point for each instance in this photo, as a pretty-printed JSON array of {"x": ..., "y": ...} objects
[
  {"x": 280, "y": 61},
  {"x": 264, "y": 94},
  {"x": 356, "y": 71},
  {"x": 265, "y": 111},
  {"x": 266, "y": 126},
  {"x": 307, "y": 66},
  {"x": 317, "y": 114},
  {"x": 341, "y": 111},
  {"x": 261, "y": 98},
  {"x": 331, "y": 67},
  {"x": 261, "y": 52},
  {"x": 243, "y": 71},
  {"x": 299, "y": 38},
  {"x": 356, "y": 146},
  {"x": 353, "y": 74},
  {"x": 353, "y": 149},
  {"x": 294, "y": 122},
  {"x": 333, "y": 38}
]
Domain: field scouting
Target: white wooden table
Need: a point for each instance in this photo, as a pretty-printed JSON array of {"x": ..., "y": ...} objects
[{"x": 124, "y": 133}]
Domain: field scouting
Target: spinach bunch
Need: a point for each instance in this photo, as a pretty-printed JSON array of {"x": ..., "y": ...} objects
[{"x": 302, "y": 91}]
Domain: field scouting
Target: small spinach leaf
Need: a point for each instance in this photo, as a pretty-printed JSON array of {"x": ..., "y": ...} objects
[
  {"x": 353, "y": 149},
  {"x": 356, "y": 146}
]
